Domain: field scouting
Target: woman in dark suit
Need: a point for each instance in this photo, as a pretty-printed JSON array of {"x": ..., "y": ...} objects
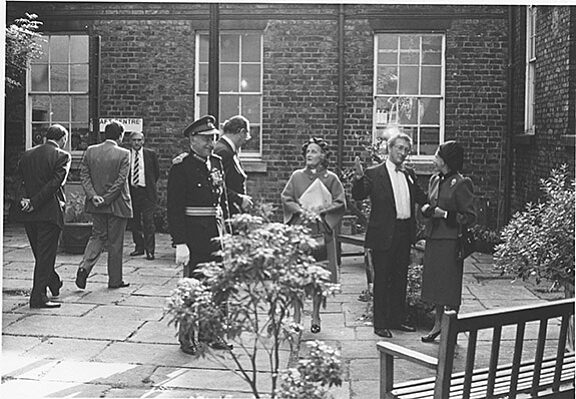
[{"x": 450, "y": 209}]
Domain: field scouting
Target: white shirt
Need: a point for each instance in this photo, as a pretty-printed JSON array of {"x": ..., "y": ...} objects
[
  {"x": 401, "y": 191},
  {"x": 141, "y": 178}
]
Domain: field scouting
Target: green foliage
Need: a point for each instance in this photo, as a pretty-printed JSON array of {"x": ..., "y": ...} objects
[
  {"x": 74, "y": 211},
  {"x": 486, "y": 238},
  {"x": 313, "y": 375},
  {"x": 248, "y": 298},
  {"x": 21, "y": 46},
  {"x": 539, "y": 241}
]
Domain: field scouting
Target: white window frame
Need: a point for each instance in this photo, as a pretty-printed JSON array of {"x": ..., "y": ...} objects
[
  {"x": 252, "y": 155},
  {"x": 529, "y": 97},
  {"x": 380, "y": 124},
  {"x": 69, "y": 93}
]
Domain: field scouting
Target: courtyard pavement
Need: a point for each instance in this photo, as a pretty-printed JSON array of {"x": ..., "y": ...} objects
[{"x": 117, "y": 343}]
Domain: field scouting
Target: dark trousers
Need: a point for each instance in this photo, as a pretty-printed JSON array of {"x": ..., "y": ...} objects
[
  {"x": 43, "y": 237},
  {"x": 142, "y": 223},
  {"x": 390, "y": 279}
]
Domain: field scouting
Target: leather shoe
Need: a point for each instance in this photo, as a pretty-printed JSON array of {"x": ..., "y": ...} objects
[
  {"x": 149, "y": 256},
  {"x": 121, "y": 285},
  {"x": 430, "y": 337},
  {"x": 55, "y": 290},
  {"x": 405, "y": 327},
  {"x": 136, "y": 253},
  {"x": 188, "y": 349},
  {"x": 44, "y": 305},
  {"x": 81, "y": 277},
  {"x": 383, "y": 332},
  {"x": 220, "y": 344}
]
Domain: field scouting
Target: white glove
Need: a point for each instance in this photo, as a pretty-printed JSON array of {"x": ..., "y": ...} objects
[{"x": 182, "y": 254}]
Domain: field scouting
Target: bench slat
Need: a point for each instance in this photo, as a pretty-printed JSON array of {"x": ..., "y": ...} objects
[
  {"x": 407, "y": 354},
  {"x": 518, "y": 346}
]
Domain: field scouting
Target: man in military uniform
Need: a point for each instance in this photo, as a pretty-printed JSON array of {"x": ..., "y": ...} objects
[{"x": 195, "y": 202}]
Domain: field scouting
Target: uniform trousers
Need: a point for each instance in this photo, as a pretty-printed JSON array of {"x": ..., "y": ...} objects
[
  {"x": 142, "y": 222},
  {"x": 107, "y": 229},
  {"x": 390, "y": 278},
  {"x": 43, "y": 237}
]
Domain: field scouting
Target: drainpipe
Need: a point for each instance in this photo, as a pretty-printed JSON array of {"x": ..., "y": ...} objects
[
  {"x": 214, "y": 61},
  {"x": 508, "y": 173},
  {"x": 341, "y": 104}
]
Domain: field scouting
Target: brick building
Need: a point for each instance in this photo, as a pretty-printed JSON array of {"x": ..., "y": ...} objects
[{"x": 297, "y": 70}]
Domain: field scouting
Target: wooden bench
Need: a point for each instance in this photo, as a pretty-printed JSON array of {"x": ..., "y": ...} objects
[{"x": 529, "y": 374}]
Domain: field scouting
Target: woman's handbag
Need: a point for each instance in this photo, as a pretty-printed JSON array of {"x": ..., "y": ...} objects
[{"x": 466, "y": 243}]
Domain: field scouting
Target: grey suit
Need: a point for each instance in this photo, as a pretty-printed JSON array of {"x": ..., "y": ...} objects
[{"x": 104, "y": 172}]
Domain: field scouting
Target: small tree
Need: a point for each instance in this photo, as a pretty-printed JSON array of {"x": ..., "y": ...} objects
[
  {"x": 21, "y": 46},
  {"x": 248, "y": 299}
]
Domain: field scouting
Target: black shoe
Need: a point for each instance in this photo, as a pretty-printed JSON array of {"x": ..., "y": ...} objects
[
  {"x": 81, "y": 277},
  {"x": 315, "y": 329},
  {"x": 220, "y": 344},
  {"x": 188, "y": 349},
  {"x": 383, "y": 332},
  {"x": 55, "y": 290},
  {"x": 136, "y": 253},
  {"x": 44, "y": 305},
  {"x": 150, "y": 255},
  {"x": 430, "y": 337},
  {"x": 405, "y": 327},
  {"x": 121, "y": 285}
]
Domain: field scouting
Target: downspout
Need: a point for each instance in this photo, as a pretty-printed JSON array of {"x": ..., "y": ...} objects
[
  {"x": 214, "y": 61},
  {"x": 509, "y": 125},
  {"x": 341, "y": 104}
]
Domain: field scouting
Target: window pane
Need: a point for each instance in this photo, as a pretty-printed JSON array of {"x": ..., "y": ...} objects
[
  {"x": 410, "y": 57},
  {"x": 59, "y": 49},
  {"x": 39, "y": 77},
  {"x": 80, "y": 108},
  {"x": 203, "y": 48},
  {"x": 408, "y": 111},
  {"x": 43, "y": 56},
  {"x": 40, "y": 108},
  {"x": 387, "y": 42},
  {"x": 203, "y": 77},
  {"x": 430, "y": 111},
  {"x": 251, "y": 48},
  {"x": 429, "y": 140},
  {"x": 252, "y": 145},
  {"x": 229, "y": 106},
  {"x": 59, "y": 78},
  {"x": 79, "y": 136},
  {"x": 38, "y": 132},
  {"x": 408, "y": 80},
  {"x": 251, "y": 108},
  {"x": 432, "y": 50},
  {"x": 229, "y": 48},
  {"x": 79, "y": 77},
  {"x": 386, "y": 110},
  {"x": 388, "y": 57},
  {"x": 410, "y": 42},
  {"x": 229, "y": 78},
  {"x": 203, "y": 104},
  {"x": 78, "y": 48},
  {"x": 250, "y": 78},
  {"x": 60, "y": 109},
  {"x": 431, "y": 79},
  {"x": 387, "y": 80}
]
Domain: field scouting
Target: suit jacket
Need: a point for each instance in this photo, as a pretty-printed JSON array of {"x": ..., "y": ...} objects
[
  {"x": 104, "y": 172},
  {"x": 151, "y": 173},
  {"x": 43, "y": 171},
  {"x": 376, "y": 184},
  {"x": 234, "y": 175}
]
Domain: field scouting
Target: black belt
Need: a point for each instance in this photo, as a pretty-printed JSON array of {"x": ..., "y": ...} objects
[{"x": 402, "y": 221}]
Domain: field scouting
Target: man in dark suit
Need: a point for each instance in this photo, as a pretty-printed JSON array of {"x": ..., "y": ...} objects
[
  {"x": 393, "y": 192},
  {"x": 104, "y": 175},
  {"x": 144, "y": 173},
  {"x": 43, "y": 171},
  {"x": 236, "y": 132},
  {"x": 194, "y": 206}
]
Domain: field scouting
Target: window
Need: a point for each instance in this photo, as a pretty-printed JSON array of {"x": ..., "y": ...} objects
[
  {"x": 409, "y": 88},
  {"x": 240, "y": 82},
  {"x": 58, "y": 90},
  {"x": 530, "y": 70}
]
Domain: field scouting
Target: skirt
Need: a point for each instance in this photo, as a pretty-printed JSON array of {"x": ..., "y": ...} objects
[{"x": 442, "y": 275}]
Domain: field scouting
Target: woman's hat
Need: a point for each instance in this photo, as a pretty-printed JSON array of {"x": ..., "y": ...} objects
[{"x": 453, "y": 154}]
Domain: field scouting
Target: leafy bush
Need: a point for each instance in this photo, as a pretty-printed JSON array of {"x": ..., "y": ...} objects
[
  {"x": 266, "y": 271},
  {"x": 74, "y": 211},
  {"x": 22, "y": 45},
  {"x": 539, "y": 241}
]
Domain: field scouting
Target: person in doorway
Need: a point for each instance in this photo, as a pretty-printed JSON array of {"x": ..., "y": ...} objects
[
  {"x": 43, "y": 171},
  {"x": 144, "y": 173},
  {"x": 393, "y": 192},
  {"x": 450, "y": 209},
  {"x": 104, "y": 175}
]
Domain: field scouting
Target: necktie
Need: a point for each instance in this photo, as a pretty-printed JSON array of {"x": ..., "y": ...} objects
[{"x": 136, "y": 171}]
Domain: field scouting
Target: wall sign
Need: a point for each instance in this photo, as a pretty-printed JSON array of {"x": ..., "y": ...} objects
[{"x": 130, "y": 124}]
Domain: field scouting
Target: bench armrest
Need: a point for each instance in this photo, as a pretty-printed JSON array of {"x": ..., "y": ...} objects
[{"x": 407, "y": 354}]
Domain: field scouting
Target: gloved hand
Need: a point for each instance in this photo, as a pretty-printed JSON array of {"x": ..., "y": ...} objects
[{"x": 182, "y": 254}]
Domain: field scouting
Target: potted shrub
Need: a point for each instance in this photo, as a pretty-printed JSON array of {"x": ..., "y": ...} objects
[
  {"x": 266, "y": 270},
  {"x": 77, "y": 225},
  {"x": 538, "y": 242}
]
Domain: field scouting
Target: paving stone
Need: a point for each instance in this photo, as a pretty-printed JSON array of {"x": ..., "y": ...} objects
[
  {"x": 144, "y": 301},
  {"x": 67, "y": 309},
  {"x": 75, "y": 349},
  {"x": 13, "y": 345},
  {"x": 119, "y": 313},
  {"x": 26, "y": 389},
  {"x": 155, "y": 332}
]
